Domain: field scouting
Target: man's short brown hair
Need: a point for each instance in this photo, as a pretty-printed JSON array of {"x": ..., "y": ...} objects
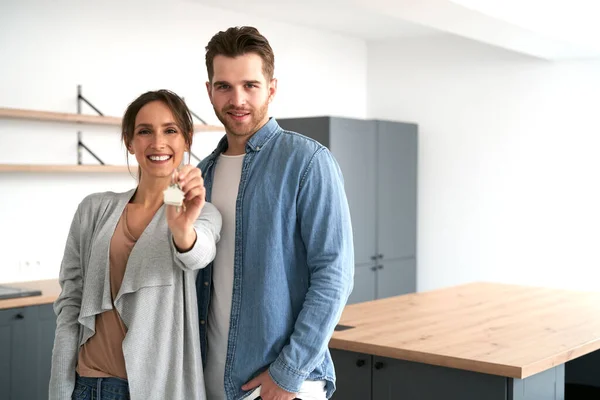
[{"x": 237, "y": 41}]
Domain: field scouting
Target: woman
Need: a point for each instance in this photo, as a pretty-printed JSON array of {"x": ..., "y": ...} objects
[{"x": 127, "y": 325}]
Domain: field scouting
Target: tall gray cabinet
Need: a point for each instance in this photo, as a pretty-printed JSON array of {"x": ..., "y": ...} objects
[{"x": 379, "y": 163}]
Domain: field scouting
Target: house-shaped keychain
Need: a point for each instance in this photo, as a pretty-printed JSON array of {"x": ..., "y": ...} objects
[{"x": 173, "y": 196}]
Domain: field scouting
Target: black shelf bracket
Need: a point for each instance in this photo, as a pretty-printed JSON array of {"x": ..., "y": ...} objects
[
  {"x": 203, "y": 122},
  {"x": 195, "y": 156},
  {"x": 195, "y": 116},
  {"x": 80, "y": 144},
  {"x": 81, "y": 99},
  {"x": 198, "y": 118}
]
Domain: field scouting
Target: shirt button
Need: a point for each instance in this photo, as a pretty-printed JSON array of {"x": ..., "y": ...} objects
[
  {"x": 257, "y": 147},
  {"x": 205, "y": 283},
  {"x": 202, "y": 322}
]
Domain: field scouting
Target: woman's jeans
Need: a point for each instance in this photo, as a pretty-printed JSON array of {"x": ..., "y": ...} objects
[{"x": 100, "y": 389}]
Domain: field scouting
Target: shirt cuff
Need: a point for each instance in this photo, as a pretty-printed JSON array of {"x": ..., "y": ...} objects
[{"x": 285, "y": 377}]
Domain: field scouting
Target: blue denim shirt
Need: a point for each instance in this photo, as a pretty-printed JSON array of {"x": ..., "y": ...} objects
[{"x": 293, "y": 263}]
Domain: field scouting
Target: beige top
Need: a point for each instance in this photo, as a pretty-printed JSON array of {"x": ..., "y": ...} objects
[
  {"x": 102, "y": 354},
  {"x": 499, "y": 329}
]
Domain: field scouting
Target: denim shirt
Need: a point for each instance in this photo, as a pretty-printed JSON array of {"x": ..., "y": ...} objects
[{"x": 293, "y": 261}]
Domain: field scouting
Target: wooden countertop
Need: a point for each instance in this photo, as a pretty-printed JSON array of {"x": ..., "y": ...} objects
[
  {"x": 499, "y": 329},
  {"x": 50, "y": 291}
]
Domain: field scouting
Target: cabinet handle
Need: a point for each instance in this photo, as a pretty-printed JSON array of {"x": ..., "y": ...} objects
[
  {"x": 360, "y": 363},
  {"x": 19, "y": 316},
  {"x": 380, "y": 267},
  {"x": 374, "y": 257},
  {"x": 379, "y": 365},
  {"x": 380, "y": 256},
  {"x": 375, "y": 268}
]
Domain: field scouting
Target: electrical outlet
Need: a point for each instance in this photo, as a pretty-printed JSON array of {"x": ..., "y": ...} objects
[{"x": 29, "y": 269}]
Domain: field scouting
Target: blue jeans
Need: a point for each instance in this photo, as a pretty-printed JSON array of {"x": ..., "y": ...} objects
[{"x": 100, "y": 389}]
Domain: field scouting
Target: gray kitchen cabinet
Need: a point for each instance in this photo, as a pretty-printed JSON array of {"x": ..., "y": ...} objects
[
  {"x": 398, "y": 379},
  {"x": 369, "y": 377},
  {"x": 365, "y": 284},
  {"x": 353, "y": 375},
  {"x": 42, "y": 358},
  {"x": 26, "y": 341},
  {"x": 379, "y": 162},
  {"x": 14, "y": 353},
  {"x": 396, "y": 190},
  {"x": 396, "y": 277}
]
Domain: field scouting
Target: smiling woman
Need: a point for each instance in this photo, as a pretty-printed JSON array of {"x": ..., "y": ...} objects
[{"x": 129, "y": 271}]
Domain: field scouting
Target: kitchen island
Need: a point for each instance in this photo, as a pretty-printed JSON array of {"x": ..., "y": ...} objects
[{"x": 475, "y": 341}]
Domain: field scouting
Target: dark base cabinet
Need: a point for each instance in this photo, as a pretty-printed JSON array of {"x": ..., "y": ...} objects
[
  {"x": 367, "y": 377},
  {"x": 353, "y": 375},
  {"x": 26, "y": 341}
]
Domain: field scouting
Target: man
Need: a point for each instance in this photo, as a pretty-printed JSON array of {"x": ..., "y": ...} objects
[{"x": 285, "y": 262}]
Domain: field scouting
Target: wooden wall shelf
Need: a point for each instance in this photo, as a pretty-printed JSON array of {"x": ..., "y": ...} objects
[
  {"x": 68, "y": 168},
  {"x": 15, "y": 113}
]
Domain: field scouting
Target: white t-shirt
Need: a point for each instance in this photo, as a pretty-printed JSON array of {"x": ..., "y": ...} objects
[{"x": 228, "y": 171}]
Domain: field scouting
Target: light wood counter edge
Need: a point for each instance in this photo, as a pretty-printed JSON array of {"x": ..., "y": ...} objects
[
  {"x": 50, "y": 291},
  {"x": 560, "y": 358},
  {"x": 440, "y": 360},
  {"x": 508, "y": 371}
]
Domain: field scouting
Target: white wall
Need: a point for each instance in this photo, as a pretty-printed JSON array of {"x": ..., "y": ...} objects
[
  {"x": 509, "y": 160},
  {"x": 117, "y": 50},
  {"x": 508, "y": 145}
]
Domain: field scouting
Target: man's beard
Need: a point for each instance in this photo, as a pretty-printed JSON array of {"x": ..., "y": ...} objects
[{"x": 247, "y": 128}]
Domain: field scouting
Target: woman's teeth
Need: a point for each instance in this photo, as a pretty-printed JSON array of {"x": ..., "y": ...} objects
[{"x": 159, "y": 158}]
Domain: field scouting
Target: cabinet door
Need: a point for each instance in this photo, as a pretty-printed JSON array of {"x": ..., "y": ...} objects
[
  {"x": 26, "y": 341},
  {"x": 396, "y": 189},
  {"x": 46, "y": 327},
  {"x": 316, "y": 128},
  {"x": 353, "y": 144},
  {"x": 353, "y": 375},
  {"x": 399, "y": 379},
  {"x": 396, "y": 277},
  {"x": 364, "y": 284},
  {"x": 15, "y": 353}
]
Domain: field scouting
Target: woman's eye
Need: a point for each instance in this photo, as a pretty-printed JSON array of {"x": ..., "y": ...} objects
[
  {"x": 171, "y": 131},
  {"x": 143, "y": 132}
]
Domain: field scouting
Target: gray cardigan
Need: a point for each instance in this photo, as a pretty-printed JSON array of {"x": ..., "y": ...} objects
[{"x": 156, "y": 301}]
